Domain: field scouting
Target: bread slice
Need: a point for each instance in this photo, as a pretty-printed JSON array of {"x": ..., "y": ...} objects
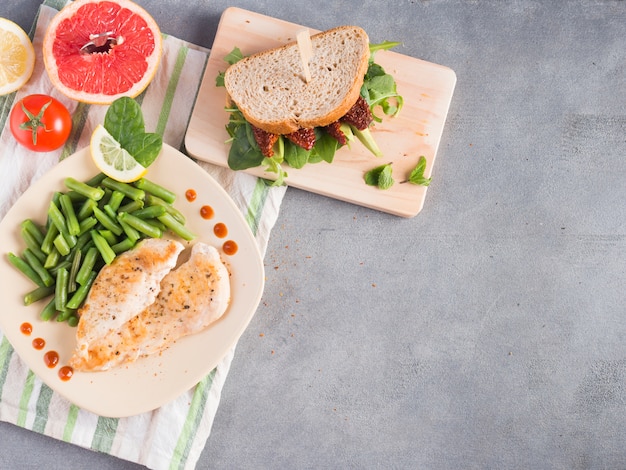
[{"x": 270, "y": 90}]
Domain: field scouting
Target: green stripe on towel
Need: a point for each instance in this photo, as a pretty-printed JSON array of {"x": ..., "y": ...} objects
[
  {"x": 171, "y": 90},
  {"x": 194, "y": 418},
  {"x": 6, "y": 351}
]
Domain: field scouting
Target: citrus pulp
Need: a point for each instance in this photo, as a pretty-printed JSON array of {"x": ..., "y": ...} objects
[
  {"x": 96, "y": 51},
  {"x": 17, "y": 57},
  {"x": 112, "y": 160}
]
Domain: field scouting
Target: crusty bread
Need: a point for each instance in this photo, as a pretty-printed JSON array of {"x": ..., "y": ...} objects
[{"x": 270, "y": 90}]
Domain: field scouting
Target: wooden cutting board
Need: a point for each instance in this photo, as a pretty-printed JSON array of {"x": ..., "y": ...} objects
[{"x": 427, "y": 90}]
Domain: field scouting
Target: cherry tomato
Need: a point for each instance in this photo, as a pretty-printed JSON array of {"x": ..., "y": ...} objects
[{"x": 40, "y": 123}]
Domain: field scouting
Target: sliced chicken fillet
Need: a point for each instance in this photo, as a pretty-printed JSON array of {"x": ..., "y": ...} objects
[
  {"x": 124, "y": 289},
  {"x": 191, "y": 298}
]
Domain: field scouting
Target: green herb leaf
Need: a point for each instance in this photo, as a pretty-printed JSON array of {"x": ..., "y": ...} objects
[
  {"x": 324, "y": 149},
  {"x": 417, "y": 174},
  {"x": 244, "y": 153},
  {"x": 385, "y": 45},
  {"x": 124, "y": 121},
  {"x": 295, "y": 156},
  {"x": 145, "y": 148},
  {"x": 234, "y": 56},
  {"x": 380, "y": 176}
]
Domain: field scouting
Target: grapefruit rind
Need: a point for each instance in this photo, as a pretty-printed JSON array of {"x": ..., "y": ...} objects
[
  {"x": 102, "y": 77},
  {"x": 17, "y": 57},
  {"x": 111, "y": 159}
]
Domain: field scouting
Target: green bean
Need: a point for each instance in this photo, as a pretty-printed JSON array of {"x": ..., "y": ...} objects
[
  {"x": 108, "y": 236},
  {"x": 33, "y": 230},
  {"x": 73, "y": 320},
  {"x": 75, "y": 197},
  {"x": 62, "y": 245},
  {"x": 52, "y": 259},
  {"x": 108, "y": 210},
  {"x": 107, "y": 222},
  {"x": 57, "y": 218},
  {"x": 128, "y": 190},
  {"x": 123, "y": 245},
  {"x": 132, "y": 206},
  {"x": 73, "y": 228},
  {"x": 116, "y": 200},
  {"x": 108, "y": 255},
  {"x": 140, "y": 225},
  {"x": 42, "y": 272},
  {"x": 175, "y": 226},
  {"x": 25, "y": 268},
  {"x": 65, "y": 264},
  {"x": 152, "y": 200},
  {"x": 47, "y": 244},
  {"x": 86, "y": 225},
  {"x": 81, "y": 293},
  {"x": 71, "y": 283},
  {"x": 38, "y": 294},
  {"x": 65, "y": 314},
  {"x": 49, "y": 311},
  {"x": 86, "y": 209},
  {"x": 156, "y": 190},
  {"x": 130, "y": 232},
  {"x": 60, "y": 290},
  {"x": 96, "y": 180},
  {"x": 84, "y": 189},
  {"x": 87, "y": 266},
  {"x": 32, "y": 244},
  {"x": 150, "y": 212}
]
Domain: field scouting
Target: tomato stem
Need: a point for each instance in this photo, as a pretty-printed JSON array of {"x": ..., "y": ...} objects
[{"x": 35, "y": 121}]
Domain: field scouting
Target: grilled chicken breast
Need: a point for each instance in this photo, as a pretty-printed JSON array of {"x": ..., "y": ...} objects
[
  {"x": 191, "y": 297},
  {"x": 124, "y": 289}
]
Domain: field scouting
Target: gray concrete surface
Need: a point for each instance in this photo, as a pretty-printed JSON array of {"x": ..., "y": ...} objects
[{"x": 489, "y": 332}]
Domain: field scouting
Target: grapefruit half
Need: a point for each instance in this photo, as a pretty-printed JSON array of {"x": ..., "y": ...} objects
[{"x": 97, "y": 51}]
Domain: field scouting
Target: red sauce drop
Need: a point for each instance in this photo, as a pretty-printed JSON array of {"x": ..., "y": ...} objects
[
  {"x": 51, "y": 358},
  {"x": 191, "y": 195},
  {"x": 39, "y": 343},
  {"x": 230, "y": 247},
  {"x": 207, "y": 212},
  {"x": 220, "y": 230},
  {"x": 26, "y": 328},
  {"x": 66, "y": 373}
]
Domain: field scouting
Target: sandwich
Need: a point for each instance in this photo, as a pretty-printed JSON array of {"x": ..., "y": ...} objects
[{"x": 288, "y": 110}]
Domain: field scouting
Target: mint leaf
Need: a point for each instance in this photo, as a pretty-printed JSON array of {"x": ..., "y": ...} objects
[
  {"x": 234, "y": 56},
  {"x": 417, "y": 174},
  {"x": 380, "y": 177}
]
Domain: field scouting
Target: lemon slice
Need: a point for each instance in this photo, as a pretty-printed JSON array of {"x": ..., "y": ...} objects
[
  {"x": 112, "y": 160},
  {"x": 17, "y": 57}
]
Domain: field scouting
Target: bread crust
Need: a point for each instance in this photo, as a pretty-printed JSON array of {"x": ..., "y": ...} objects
[{"x": 287, "y": 85}]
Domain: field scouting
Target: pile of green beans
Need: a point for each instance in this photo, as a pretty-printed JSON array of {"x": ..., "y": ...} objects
[{"x": 87, "y": 226}]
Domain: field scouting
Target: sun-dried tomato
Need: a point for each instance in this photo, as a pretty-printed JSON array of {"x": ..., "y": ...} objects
[
  {"x": 265, "y": 140},
  {"x": 304, "y": 137},
  {"x": 359, "y": 115},
  {"x": 334, "y": 130}
]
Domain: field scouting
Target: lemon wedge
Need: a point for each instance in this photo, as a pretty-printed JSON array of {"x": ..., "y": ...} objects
[
  {"x": 17, "y": 57},
  {"x": 111, "y": 159}
]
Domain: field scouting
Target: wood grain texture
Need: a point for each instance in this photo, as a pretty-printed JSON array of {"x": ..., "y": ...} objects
[{"x": 427, "y": 90}]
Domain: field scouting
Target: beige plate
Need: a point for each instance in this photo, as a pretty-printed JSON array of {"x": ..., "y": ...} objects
[
  {"x": 427, "y": 90},
  {"x": 153, "y": 381}
]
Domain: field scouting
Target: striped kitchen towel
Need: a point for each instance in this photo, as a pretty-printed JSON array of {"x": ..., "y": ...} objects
[{"x": 174, "y": 435}]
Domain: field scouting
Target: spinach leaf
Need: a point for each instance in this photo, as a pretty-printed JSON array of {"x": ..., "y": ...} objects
[
  {"x": 124, "y": 120},
  {"x": 244, "y": 153},
  {"x": 145, "y": 148},
  {"x": 295, "y": 156},
  {"x": 324, "y": 149}
]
